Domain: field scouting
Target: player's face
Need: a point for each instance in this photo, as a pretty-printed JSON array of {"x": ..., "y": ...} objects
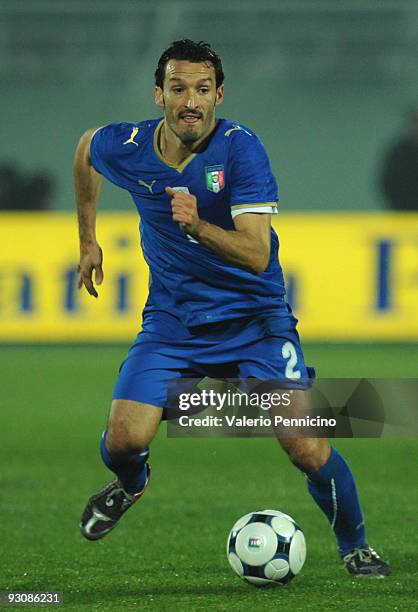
[{"x": 189, "y": 97}]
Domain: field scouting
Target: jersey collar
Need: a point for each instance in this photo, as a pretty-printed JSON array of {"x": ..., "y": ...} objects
[{"x": 178, "y": 167}]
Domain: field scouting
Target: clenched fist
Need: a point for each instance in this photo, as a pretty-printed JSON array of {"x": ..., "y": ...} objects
[{"x": 184, "y": 207}]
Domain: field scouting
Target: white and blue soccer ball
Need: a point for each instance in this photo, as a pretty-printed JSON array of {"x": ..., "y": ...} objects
[{"x": 266, "y": 548}]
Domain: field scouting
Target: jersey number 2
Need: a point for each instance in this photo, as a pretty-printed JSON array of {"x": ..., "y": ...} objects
[{"x": 289, "y": 353}]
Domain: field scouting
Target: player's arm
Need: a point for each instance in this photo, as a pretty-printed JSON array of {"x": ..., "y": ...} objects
[
  {"x": 87, "y": 190},
  {"x": 248, "y": 246}
]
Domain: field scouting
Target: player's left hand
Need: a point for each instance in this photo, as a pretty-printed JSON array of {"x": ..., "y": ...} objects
[{"x": 184, "y": 208}]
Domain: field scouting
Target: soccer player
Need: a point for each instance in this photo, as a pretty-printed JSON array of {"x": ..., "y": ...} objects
[{"x": 205, "y": 192}]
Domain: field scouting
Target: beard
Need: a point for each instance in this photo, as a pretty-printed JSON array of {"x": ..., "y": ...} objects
[{"x": 188, "y": 134}]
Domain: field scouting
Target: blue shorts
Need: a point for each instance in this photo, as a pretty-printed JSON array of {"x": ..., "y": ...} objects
[{"x": 266, "y": 348}]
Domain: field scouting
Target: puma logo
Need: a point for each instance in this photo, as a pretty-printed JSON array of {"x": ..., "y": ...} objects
[
  {"x": 148, "y": 186},
  {"x": 236, "y": 128},
  {"x": 135, "y": 131}
]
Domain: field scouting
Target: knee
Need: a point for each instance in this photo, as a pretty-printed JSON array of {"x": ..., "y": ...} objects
[
  {"x": 308, "y": 454},
  {"x": 131, "y": 426},
  {"x": 121, "y": 440}
]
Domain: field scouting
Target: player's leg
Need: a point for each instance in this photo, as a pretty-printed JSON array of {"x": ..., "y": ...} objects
[
  {"x": 331, "y": 483},
  {"x": 124, "y": 446},
  {"x": 124, "y": 449},
  {"x": 330, "y": 480},
  {"x": 140, "y": 392}
]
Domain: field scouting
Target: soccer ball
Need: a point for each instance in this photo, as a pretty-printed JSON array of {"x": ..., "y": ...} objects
[{"x": 266, "y": 548}]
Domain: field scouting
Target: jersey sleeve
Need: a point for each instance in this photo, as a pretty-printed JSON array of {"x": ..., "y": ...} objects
[
  {"x": 108, "y": 154},
  {"x": 253, "y": 185}
]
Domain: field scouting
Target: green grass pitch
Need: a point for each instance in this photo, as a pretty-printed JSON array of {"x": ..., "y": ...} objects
[{"x": 168, "y": 553}]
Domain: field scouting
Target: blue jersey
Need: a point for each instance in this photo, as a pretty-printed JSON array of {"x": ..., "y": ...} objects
[{"x": 231, "y": 176}]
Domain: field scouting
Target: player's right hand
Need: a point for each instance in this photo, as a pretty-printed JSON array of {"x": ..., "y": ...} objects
[{"x": 91, "y": 258}]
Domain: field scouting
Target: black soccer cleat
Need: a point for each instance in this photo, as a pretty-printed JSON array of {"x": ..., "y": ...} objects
[
  {"x": 105, "y": 509},
  {"x": 365, "y": 562}
]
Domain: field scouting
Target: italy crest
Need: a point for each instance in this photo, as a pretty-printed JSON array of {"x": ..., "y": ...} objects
[{"x": 215, "y": 178}]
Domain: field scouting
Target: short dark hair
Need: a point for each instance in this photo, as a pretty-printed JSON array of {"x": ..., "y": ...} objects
[{"x": 191, "y": 51}]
